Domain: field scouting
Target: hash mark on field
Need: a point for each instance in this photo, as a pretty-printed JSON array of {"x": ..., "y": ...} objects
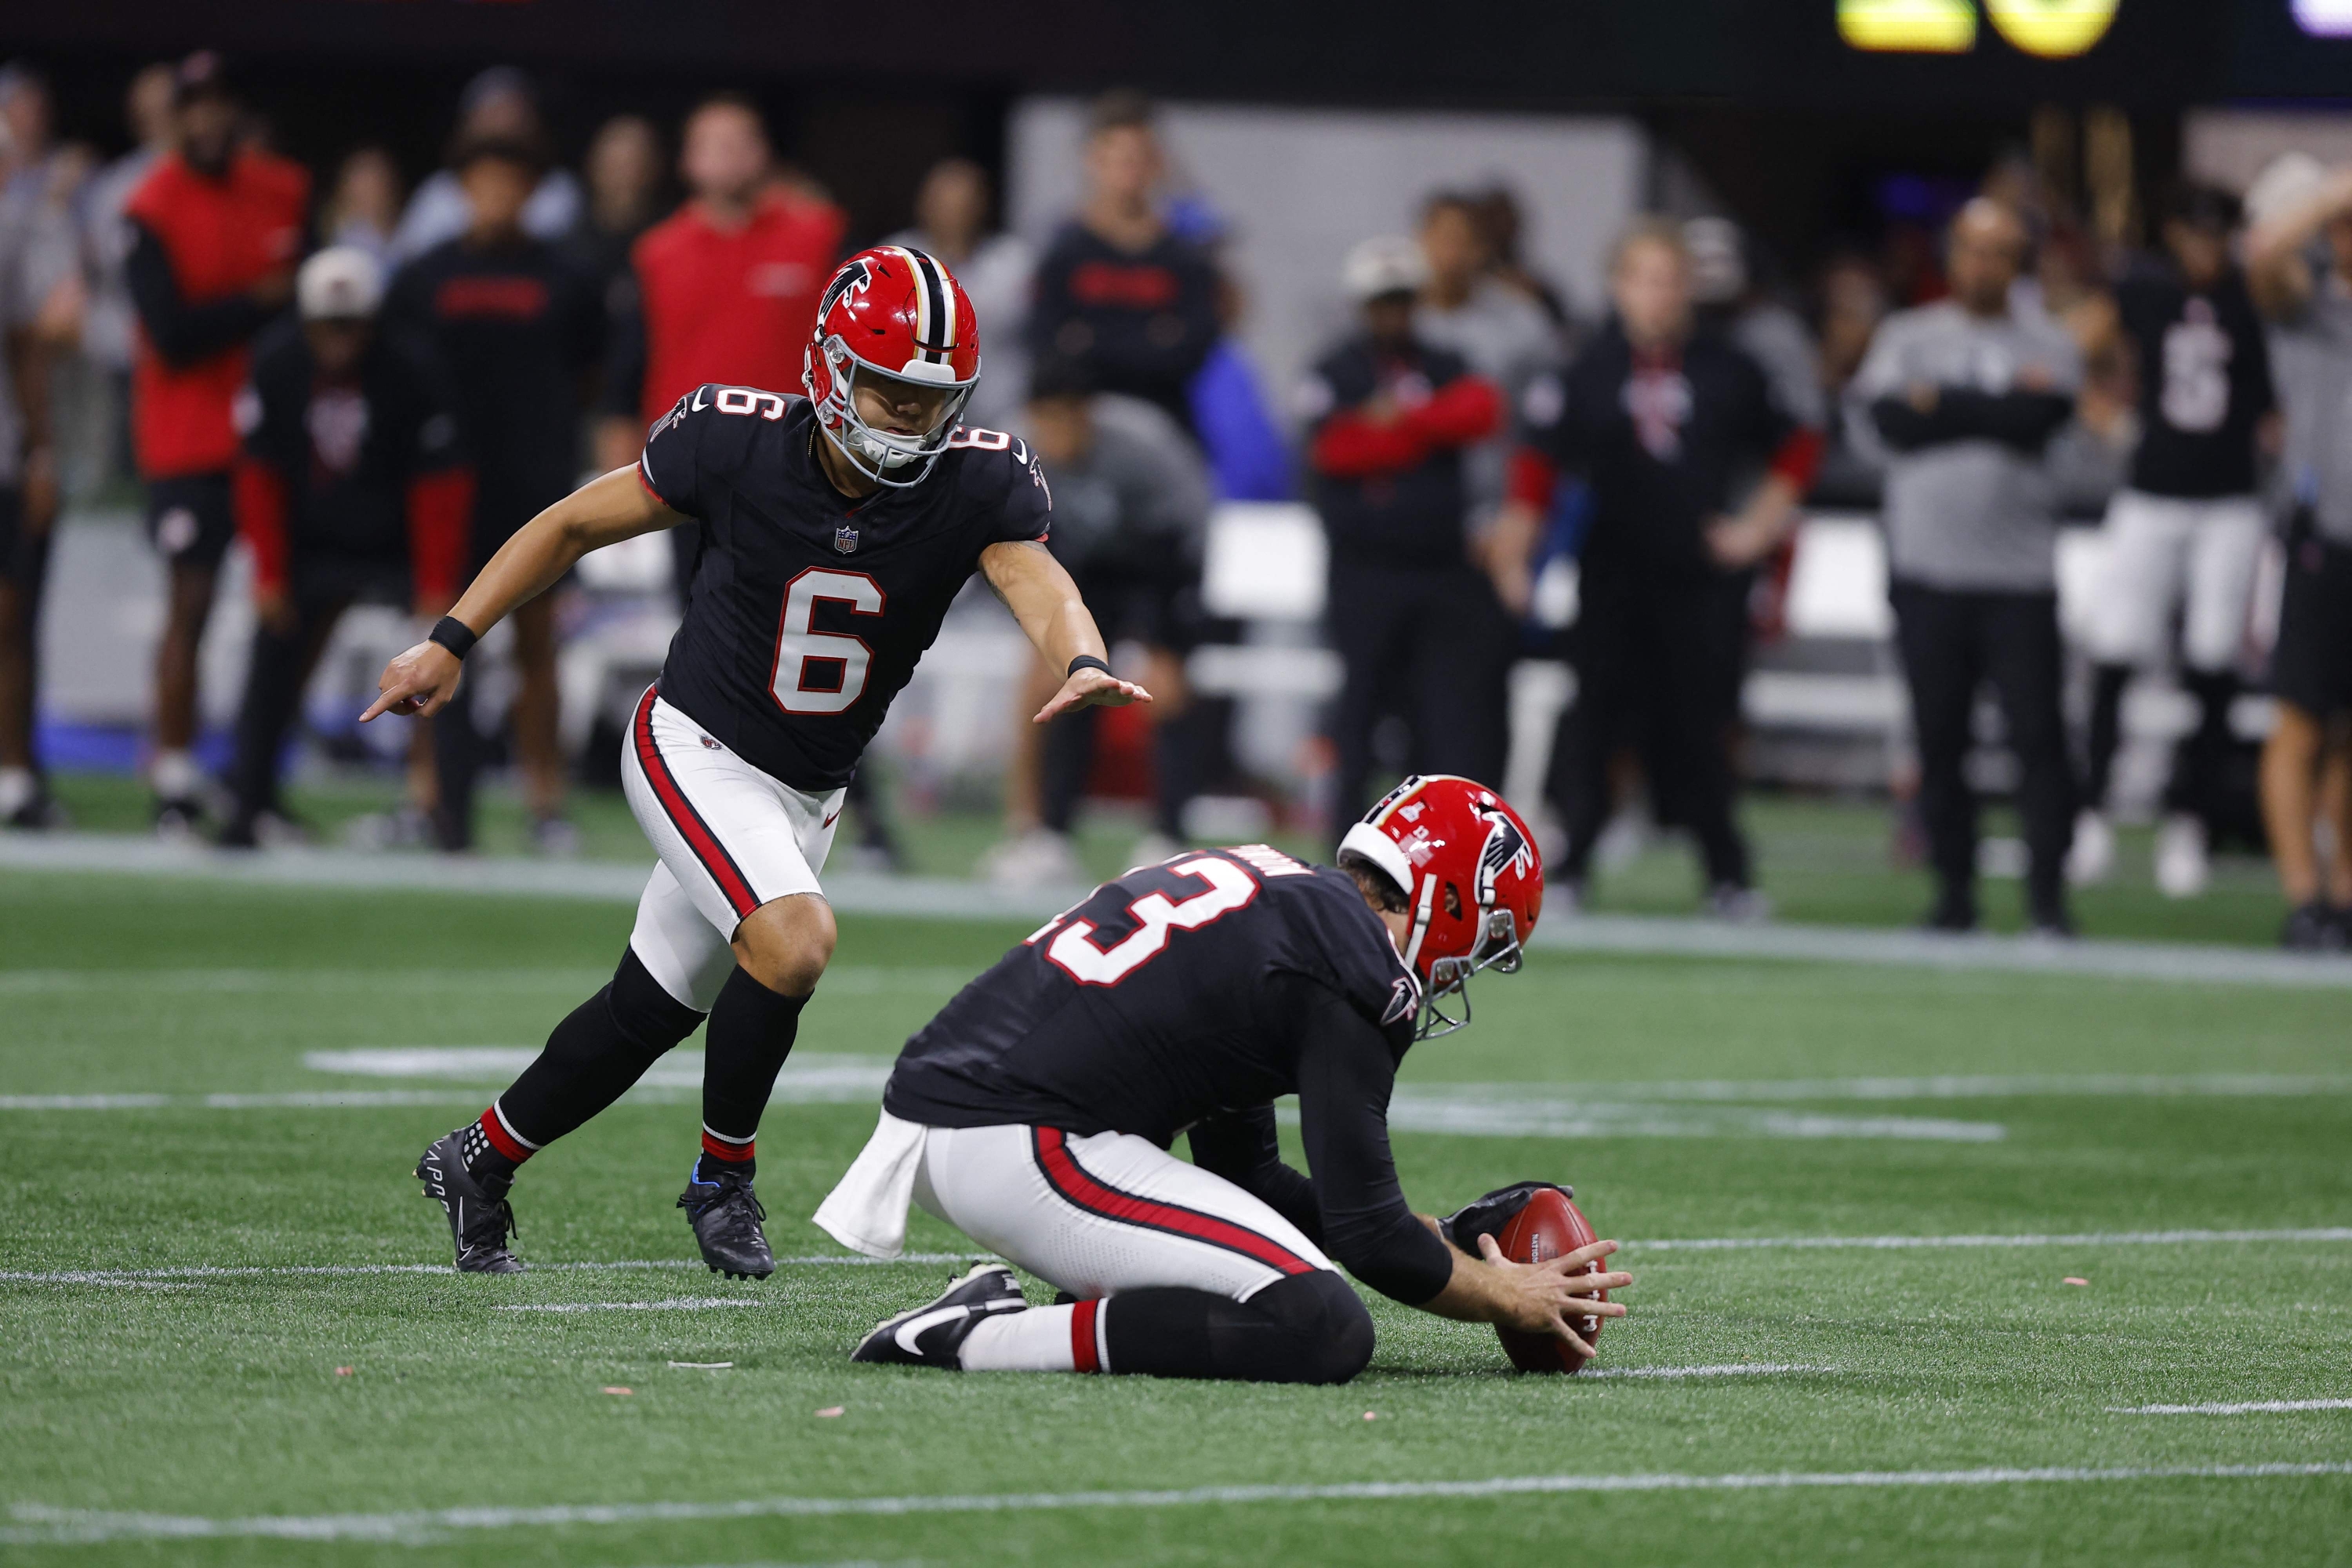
[
  {"x": 2251, "y": 1408},
  {"x": 1738, "y": 1369},
  {"x": 681, "y": 1304},
  {"x": 40, "y": 1525}
]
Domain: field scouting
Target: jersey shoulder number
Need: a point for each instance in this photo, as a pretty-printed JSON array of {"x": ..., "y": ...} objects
[{"x": 1101, "y": 943}]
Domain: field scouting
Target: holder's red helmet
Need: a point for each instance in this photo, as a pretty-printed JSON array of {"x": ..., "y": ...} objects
[
  {"x": 896, "y": 316},
  {"x": 1472, "y": 878}
]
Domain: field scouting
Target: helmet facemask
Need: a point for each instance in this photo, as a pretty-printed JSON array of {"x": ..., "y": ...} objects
[
  {"x": 1498, "y": 949},
  {"x": 885, "y": 456}
]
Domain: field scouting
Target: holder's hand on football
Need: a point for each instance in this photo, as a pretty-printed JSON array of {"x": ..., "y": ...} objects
[
  {"x": 1487, "y": 1216},
  {"x": 419, "y": 682},
  {"x": 1091, "y": 688},
  {"x": 1540, "y": 1298}
]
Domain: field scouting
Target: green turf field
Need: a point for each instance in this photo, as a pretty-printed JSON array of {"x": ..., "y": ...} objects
[{"x": 1687, "y": 1100}]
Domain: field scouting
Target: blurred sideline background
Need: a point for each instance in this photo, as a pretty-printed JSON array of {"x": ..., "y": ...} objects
[{"x": 1838, "y": 140}]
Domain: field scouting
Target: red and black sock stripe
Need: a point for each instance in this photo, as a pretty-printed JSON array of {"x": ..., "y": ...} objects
[
  {"x": 699, "y": 840},
  {"x": 1072, "y": 1182},
  {"x": 724, "y": 1153},
  {"x": 491, "y": 1150},
  {"x": 1085, "y": 1349}
]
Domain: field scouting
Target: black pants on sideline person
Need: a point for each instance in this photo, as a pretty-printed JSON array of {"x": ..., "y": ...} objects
[
  {"x": 1659, "y": 664},
  {"x": 1952, "y": 644},
  {"x": 279, "y": 669},
  {"x": 1431, "y": 646}
]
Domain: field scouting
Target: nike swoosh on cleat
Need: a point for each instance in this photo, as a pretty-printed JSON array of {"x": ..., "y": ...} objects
[
  {"x": 833, "y": 819},
  {"x": 913, "y": 1328}
]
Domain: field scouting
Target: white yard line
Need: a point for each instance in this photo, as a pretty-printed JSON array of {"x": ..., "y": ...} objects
[
  {"x": 681, "y": 1304},
  {"x": 941, "y": 899},
  {"x": 824, "y": 1260},
  {"x": 851, "y": 979},
  {"x": 2253, "y": 1407},
  {"x": 39, "y": 1525},
  {"x": 1733, "y": 1369},
  {"x": 2084, "y": 1239},
  {"x": 2012, "y": 1086},
  {"x": 1437, "y": 1110},
  {"x": 343, "y": 1270}
]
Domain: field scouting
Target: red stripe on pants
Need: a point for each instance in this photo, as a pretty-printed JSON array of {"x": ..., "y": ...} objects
[
  {"x": 1082, "y": 1336},
  {"x": 1068, "y": 1178},
  {"x": 688, "y": 822}
]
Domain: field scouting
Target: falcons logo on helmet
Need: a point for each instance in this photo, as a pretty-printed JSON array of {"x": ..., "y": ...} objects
[
  {"x": 1506, "y": 849},
  {"x": 854, "y": 274}
]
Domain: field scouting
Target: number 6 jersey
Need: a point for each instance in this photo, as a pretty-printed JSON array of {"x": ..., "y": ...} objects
[{"x": 808, "y": 609}]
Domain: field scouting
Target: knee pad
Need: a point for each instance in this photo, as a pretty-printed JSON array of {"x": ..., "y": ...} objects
[
  {"x": 648, "y": 1017},
  {"x": 1329, "y": 1328}
]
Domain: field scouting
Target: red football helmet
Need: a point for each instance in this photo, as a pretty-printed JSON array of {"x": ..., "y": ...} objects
[
  {"x": 1471, "y": 878},
  {"x": 895, "y": 317}
]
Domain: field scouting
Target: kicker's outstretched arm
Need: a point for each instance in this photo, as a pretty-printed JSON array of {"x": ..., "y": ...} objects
[
  {"x": 603, "y": 511},
  {"x": 1050, "y": 609}
]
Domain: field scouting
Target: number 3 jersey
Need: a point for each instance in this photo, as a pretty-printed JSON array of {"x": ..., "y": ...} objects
[
  {"x": 1161, "y": 999},
  {"x": 809, "y": 609},
  {"x": 1186, "y": 998}
]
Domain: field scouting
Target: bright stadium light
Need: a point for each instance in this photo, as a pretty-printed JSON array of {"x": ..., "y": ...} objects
[
  {"x": 1908, "y": 26},
  {"x": 2324, "y": 18},
  {"x": 2054, "y": 29}
]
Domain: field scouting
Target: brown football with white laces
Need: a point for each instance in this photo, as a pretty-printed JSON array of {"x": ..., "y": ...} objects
[{"x": 1550, "y": 1225}]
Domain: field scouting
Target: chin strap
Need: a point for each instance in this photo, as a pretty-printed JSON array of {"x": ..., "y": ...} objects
[{"x": 1423, "y": 908}]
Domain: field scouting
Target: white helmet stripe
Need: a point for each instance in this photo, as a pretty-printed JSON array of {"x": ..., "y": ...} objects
[
  {"x": 922, "y": 294},
  {"x": 936, "y": 318}
]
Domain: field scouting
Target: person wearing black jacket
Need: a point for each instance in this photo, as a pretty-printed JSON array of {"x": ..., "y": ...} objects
[
  {"x": 1415, "y": 625},
  {"x": 1117, "y": 292},
  {"x": 520, "y": 324},
  {"x": 352, "y": 486},
  {"x": 1667, "y": 425}
]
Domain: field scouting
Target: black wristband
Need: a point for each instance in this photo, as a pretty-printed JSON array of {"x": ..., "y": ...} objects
[
  {"x": 1084, "y": 661},
  {"x": 454, "y": 635}
]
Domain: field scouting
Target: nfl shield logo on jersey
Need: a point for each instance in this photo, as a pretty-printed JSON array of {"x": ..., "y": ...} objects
[{"x": 845, "y": 539}]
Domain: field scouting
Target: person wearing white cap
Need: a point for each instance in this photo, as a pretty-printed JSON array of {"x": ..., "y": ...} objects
[
  {"x": 1416, "y": 625},
  {"x": 351, "y": 486}
]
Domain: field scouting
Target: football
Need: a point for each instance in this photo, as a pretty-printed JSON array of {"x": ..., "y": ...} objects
[{"x": 1550, "y": 1225}]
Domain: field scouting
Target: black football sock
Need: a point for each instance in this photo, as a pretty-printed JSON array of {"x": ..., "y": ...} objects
[
  {"x": 752, "y": 1033},
  {"x": 2200, "y": 764},
  {"x": 1309, "y": 1328},
  {"x": 593, "y": 1055},
  {"x": 492, "y": 1153},
  {"x": 719, "y": 1157},
  {"x": 2106, "y": 730}
]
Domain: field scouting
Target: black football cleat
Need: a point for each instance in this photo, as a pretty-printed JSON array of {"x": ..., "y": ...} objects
[
  {"x": 933, "y": 1333},
  {"x": 478, "y": 1223},
  {"x": 726, "y": 1216}
]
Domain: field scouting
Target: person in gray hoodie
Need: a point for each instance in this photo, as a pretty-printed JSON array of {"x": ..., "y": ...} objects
[{"x": 1962, "y": 398}]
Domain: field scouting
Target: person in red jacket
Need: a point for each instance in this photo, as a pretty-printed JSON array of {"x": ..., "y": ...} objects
[
  {"x": 216, "y": 229},
  {"x": 725, "y": 286},
  {"x": 1415, "y": 625},
  {"x": 353, "y": 485}
]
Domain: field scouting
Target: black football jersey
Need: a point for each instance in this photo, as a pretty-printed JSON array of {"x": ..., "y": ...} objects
[
  {"x": 808, "y": 610},
  {"x": 2204, "y": 381},
  {"x": 1158, "y": 1001}
]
